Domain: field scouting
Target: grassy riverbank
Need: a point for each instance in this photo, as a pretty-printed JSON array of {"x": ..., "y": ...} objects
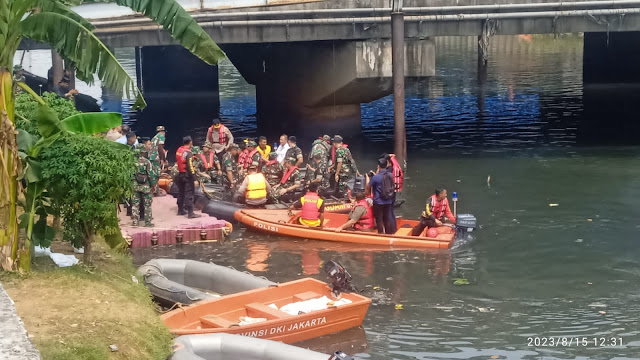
[{"x": 77, "y": 312}]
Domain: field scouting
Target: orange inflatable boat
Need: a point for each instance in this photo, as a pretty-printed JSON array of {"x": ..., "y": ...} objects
[
  {"x": 289, "y": 312},
  {"x": 279, "y": 222}
]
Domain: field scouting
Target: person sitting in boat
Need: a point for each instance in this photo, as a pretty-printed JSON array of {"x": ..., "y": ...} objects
[
  {"x": 263, "y": 148},
  {"x": 254, "y": 188},
  {"x": 273, "y": 170},
  {"x": 435, "y": 211},
  {"x": 285, "y": 190},
  {"x": 361, "y": 216},
  {"x": 312, "y": 205},
  {"x": 208, "y": 163},
  {"x": 253, "y": 156}
]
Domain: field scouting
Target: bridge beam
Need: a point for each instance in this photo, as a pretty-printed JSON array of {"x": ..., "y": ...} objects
[{"x": 317, "y": 85}]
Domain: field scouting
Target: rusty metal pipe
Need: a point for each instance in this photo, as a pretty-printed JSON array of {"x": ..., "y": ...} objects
[{"x": 397, "y": 61}]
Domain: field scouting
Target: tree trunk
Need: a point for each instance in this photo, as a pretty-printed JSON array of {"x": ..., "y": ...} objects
[
  {"x": 88, "y": 242},
  {"x": 58, "y": 67},
  {"x": 10, "y": 168}
]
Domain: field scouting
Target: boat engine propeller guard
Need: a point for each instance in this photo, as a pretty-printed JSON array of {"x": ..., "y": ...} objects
[{"x": 339, "y": 277}]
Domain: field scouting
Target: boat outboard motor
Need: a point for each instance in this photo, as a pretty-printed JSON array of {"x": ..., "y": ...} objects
[
  {"x": 359, "y": 184},
  {"x": 465, "y": 223},
  {"x": 339, "y": 355},
  {"x": 339, "y": 276}
]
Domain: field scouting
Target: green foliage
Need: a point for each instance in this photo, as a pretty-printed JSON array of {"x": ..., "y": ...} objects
[
  {"x": 27, "y": 107},
  {"x": 87, "y": 176}
]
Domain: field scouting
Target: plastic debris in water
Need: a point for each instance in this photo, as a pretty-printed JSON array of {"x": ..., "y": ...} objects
[
  {"x": 554, "y": 205},
  {"x": 399, "y": 307},
  {"x": 461, "y": 282}
]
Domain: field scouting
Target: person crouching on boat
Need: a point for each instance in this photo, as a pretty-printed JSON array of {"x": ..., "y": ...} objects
[
  {"x": 254, "y": 188},
  {"x": 361, "y": 216},
  {"x": 312, "y": 205},
  {"x": 435, "y": 211}
]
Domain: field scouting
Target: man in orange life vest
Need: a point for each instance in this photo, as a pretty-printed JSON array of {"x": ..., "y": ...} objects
[
  {"x": 312, "y": 205},
  {"x": 185, "y": 179},
  {"x": 254, "y": 188},
  {"x": 436, "y": 209},
  {"x": 220, "y": 138},
  {"x": 208, "y": 163},
  {"x": 253, "y": 156},
  {"x": 361, "y": 216}
]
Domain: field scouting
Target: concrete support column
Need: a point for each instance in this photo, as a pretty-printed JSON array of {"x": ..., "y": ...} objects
[
  {"x": 57, "y": 66},
  {"x": 317, "y": 87},
  {"x": 177, "y": 86}
]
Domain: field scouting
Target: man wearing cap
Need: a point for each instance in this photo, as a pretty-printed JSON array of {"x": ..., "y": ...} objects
[
  {"x": 63, "y": 88},
  {"x": 208, "y": 162},
  {"x": 219, "y": 137},
  {"x": 273, "y": 170},
  {"x": 253, "y": 156},
  {"x": 143, "y": 184},
  {"x": 230, "y": 167},
  {"x": 285, "y": 190},
  {"x": 344, "y": 165},
  {"x": 317, "y": 171},
  {"x": 186, "y": 177},
  {"x": 322, "y": 145},
  {"x": 254, "y": 188},
  {"x": 294, "y": 151},
  {"x": 156, "y": 154}
]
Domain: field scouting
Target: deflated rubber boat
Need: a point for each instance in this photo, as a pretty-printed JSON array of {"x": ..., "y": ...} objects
[
  {"x": 237, "y": 347},
  {"x": 172, "y": 281}
]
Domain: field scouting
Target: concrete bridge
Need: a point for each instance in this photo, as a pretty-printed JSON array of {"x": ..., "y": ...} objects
[{"x": 316, "y": 61}]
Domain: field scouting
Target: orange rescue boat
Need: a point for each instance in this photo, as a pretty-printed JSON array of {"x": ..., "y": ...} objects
[
  {"x": 273, "y": 306},
  {"x": 279, "y": 222}
]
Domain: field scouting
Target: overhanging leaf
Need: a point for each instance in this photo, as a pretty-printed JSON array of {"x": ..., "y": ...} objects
[
  {"x": 25, "y": 140},
  {"x": 180, "y": 25},
  {"x": 78, "y": 44},
  {"x": 33, "y": 171},
  {"x": 92, "y": 123},
  {"x": 48, "y": 122}
]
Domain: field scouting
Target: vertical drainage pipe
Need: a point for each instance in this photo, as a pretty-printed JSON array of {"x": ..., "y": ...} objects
[{"x": 397, "y": 60}]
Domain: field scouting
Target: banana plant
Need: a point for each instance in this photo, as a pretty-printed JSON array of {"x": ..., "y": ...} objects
[{"x": 72, "y": 36}]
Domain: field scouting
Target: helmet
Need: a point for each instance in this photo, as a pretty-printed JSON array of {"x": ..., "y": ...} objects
[{"x": 432, "y": 232}]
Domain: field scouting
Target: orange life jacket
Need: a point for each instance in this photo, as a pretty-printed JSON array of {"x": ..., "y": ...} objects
[
  {"x": 207, "y": 164},
  {"x": 287, "y": 174},
  {"x": 311, "y": 204},
  {"x": 221, "y": 134},
  {"x": 180, "y": 160},
  {"x": 398, "y": 174},
  {"x": 438, "y": 208},
  {"x": 248, "y": 160},
  {"x": 366, "y": 221}
]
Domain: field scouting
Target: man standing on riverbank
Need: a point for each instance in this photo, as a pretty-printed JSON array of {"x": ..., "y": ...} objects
[
  {"x": 220, "y": 137},
  {"x": 186, "y": 177},
  {"x": 157, "y": 155}
]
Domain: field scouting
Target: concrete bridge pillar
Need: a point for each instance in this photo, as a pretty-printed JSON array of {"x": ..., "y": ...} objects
[
  {"x": 315, "y": 87},
  {"x": 177, "y": 86}
]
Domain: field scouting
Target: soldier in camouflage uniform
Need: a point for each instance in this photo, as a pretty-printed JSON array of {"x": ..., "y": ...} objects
[
  {"x": 285, "y": 190},
  {"x": 294, "y": 152},
  {"x": 156, "y": 153},
  {"x": 144, "y": 183},
  {"x": 201, "y": 176},
  {"x": 207, "y": 163},
  {"x": 230, "y": 168},
  {"x": 273, "y": 170},
  {"x": 317, "y": 172},
  {"x": 344, "y": 167},
  {"x": 323, "y": 145}
]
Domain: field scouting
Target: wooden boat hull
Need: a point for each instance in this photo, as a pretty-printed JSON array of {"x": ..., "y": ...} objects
[
  {"x": 219, "y": 315},
  {"x": 278, "y": 222}
]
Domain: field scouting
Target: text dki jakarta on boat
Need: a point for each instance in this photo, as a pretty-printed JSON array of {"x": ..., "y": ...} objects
[{"x": 292, "y": 327}]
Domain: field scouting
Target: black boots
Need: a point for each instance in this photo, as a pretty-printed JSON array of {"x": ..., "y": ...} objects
[
  {"x": 193, "y": 215},
  {"x": 181, "y": 212}
]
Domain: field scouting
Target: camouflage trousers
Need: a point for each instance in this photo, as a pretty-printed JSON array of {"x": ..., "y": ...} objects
[
  {"x": 155, "y": 167},
  {"x": 138, "y": 198},
  {"x": 342, "y": 187}
]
